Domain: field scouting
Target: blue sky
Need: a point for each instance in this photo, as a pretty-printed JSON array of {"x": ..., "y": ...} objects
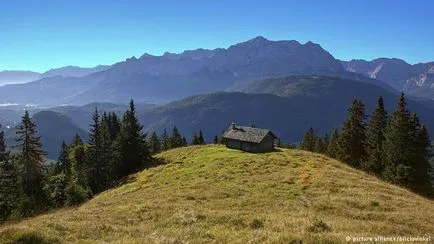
[{"x": 39, "y": 35}]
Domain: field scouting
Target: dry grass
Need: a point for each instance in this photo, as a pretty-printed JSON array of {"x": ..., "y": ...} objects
[{"x": 211, "y": 194}]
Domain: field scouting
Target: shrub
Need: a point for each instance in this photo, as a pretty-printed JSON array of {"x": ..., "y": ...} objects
[
  {"x": 76, "y": 194},
  {"x": 256, "y": 224},
  {"x": 15, "y": 236},
  {"x": 318, "y": 227}
]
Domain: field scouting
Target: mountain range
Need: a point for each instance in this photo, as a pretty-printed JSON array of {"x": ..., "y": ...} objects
[
  {"x": 20, "y": 77},
  {"x": 416, "y": 80},
  {"x": 288, "y": 106},
  {"x": 171, "y": 76},
  {"x": 160, "y": 79},
  {"x": 285, "y": 86}
]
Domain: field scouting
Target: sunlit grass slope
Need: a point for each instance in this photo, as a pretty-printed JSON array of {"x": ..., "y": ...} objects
[{"x": 211, "y": 194}]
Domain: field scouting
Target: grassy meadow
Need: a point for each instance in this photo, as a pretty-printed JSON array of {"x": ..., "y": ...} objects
[{"x": 212, "y": 194}]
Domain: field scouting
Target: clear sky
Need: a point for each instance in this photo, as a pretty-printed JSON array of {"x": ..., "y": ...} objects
[{"x": 40, "y": 34}]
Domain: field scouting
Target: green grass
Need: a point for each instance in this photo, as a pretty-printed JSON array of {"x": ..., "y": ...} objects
[{"x": 211, "y": 194}]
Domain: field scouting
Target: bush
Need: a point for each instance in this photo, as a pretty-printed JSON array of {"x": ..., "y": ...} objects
[
  {"x": 256, "y": 224},
  {"x": 15, "y": 236},
  {"x": 318, "y": 227},
  {"x": 55, "y": 189},
  {"x": 76, "y": 194},
  {"x": 27, "y": 207}
]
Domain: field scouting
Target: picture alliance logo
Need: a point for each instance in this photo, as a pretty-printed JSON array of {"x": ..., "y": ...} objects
[{"x": 425, "y": 238}]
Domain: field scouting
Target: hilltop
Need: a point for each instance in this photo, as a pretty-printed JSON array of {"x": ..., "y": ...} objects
[{"x": 218, "y": 195}]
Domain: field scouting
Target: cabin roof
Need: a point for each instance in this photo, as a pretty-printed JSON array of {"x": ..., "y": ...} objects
[{"x": 247, "y": 134}]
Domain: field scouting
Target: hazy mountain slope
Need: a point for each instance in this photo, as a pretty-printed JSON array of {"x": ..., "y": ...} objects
[
  {"x": 211, "y": 194},
  {"x": 82, "y": 115},
  {"x": 20, "y": 77},
  {"x": 159, "y": 79},
  {"x": 53, "y": 129},
  {"x": 292, "y": 105},
  {"x": 45, "y": 92},
  {"x": 17, "y": 77},
  {"x": 417, "y": 79},
  {"x": 73, "y": 71}
]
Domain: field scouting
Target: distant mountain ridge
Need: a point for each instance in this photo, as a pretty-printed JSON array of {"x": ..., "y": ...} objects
[
  {"x": 20, "y": 77},
  {"x": 288, "y": 106},
  {"x": 73, "y": 71},
  {"x": 17, "y": 76},
  {"x": 160, "y": 79},
  {"x": 417, "y": 79}
]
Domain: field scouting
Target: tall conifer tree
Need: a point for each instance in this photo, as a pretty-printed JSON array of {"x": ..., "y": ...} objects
[
  {"x": 308, "y": 142},
  {"x": 194, "y": 139},
  {"x": 9, "y": 184},
  {"x": 333, "y": 147},
  {"x": 63, "y": 165},
  {"x": 319, "y": 145},
  {"x": 200, "y": 139},
  {"x": 352, "y": 136},
  {"x": 165, "y": 143},
  {"x": 154, "y": 143},
  {"x": 398, "y": 148},
  {"x": 375, "y": 138},
  {"x": 176, "y": 139},
  {"x": 95, "y": 156},
  {"x": 31, "y": 158},
  {"x": 131, "y": 148}
]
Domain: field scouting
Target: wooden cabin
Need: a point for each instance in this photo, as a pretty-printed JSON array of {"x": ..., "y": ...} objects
[{"x": 249, "y": 139}]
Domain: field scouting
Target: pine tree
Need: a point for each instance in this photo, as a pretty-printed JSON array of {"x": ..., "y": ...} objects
[
  {"x": 326, "y": 141},
  {"x": 319, "y": 145},
  {"x": 154, "y": 143},
  {"x": 107, "y": 163},
  {"x": 333, "y": 147},
  {"x": 398, "y": 147},
  {"x": 184, "y": 141},
  {"x": 420, "y": 180},
  {"x": 131, "y": 150},
  {"x": 200, "y": 139},
  {"x": 80, "y": 168},
  {"x": 308, "y": 142},
  {"x": 176, "y": 139},
  {"x": 216, "y": 140},
  {"x": 31, "y": 158},
  {"x": 95, "y": 156},
  {"x": 165, "y": 140},
  {"x": 63, "y": 165},
  {"x": 194, "y": 139},
  {"x": 4, "y": 153},
  {"x": 9, "y": 184},
  {"x": 77, "y": 140},
  {"x": 55, "y": 188},
  {"x": 352, "y": 136},
  {"x": 375, "y": 138},
  {"x": 114, "y": 125}
]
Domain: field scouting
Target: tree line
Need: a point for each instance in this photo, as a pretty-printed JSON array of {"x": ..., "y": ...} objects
[
  {"x": 394, "y": 148},
  {"x": 116, "y": 148}
]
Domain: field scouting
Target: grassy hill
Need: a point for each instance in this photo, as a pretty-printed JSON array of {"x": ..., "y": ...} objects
[{"x": 211, "y": 194}]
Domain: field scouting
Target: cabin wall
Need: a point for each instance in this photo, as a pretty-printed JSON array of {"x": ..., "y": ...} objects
[
  {"x": 233, "y": 144},
  {"x": 266, "y": 145},
  {"x": 242, "y": 145},
  {"x": 249, "y": 147}
]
